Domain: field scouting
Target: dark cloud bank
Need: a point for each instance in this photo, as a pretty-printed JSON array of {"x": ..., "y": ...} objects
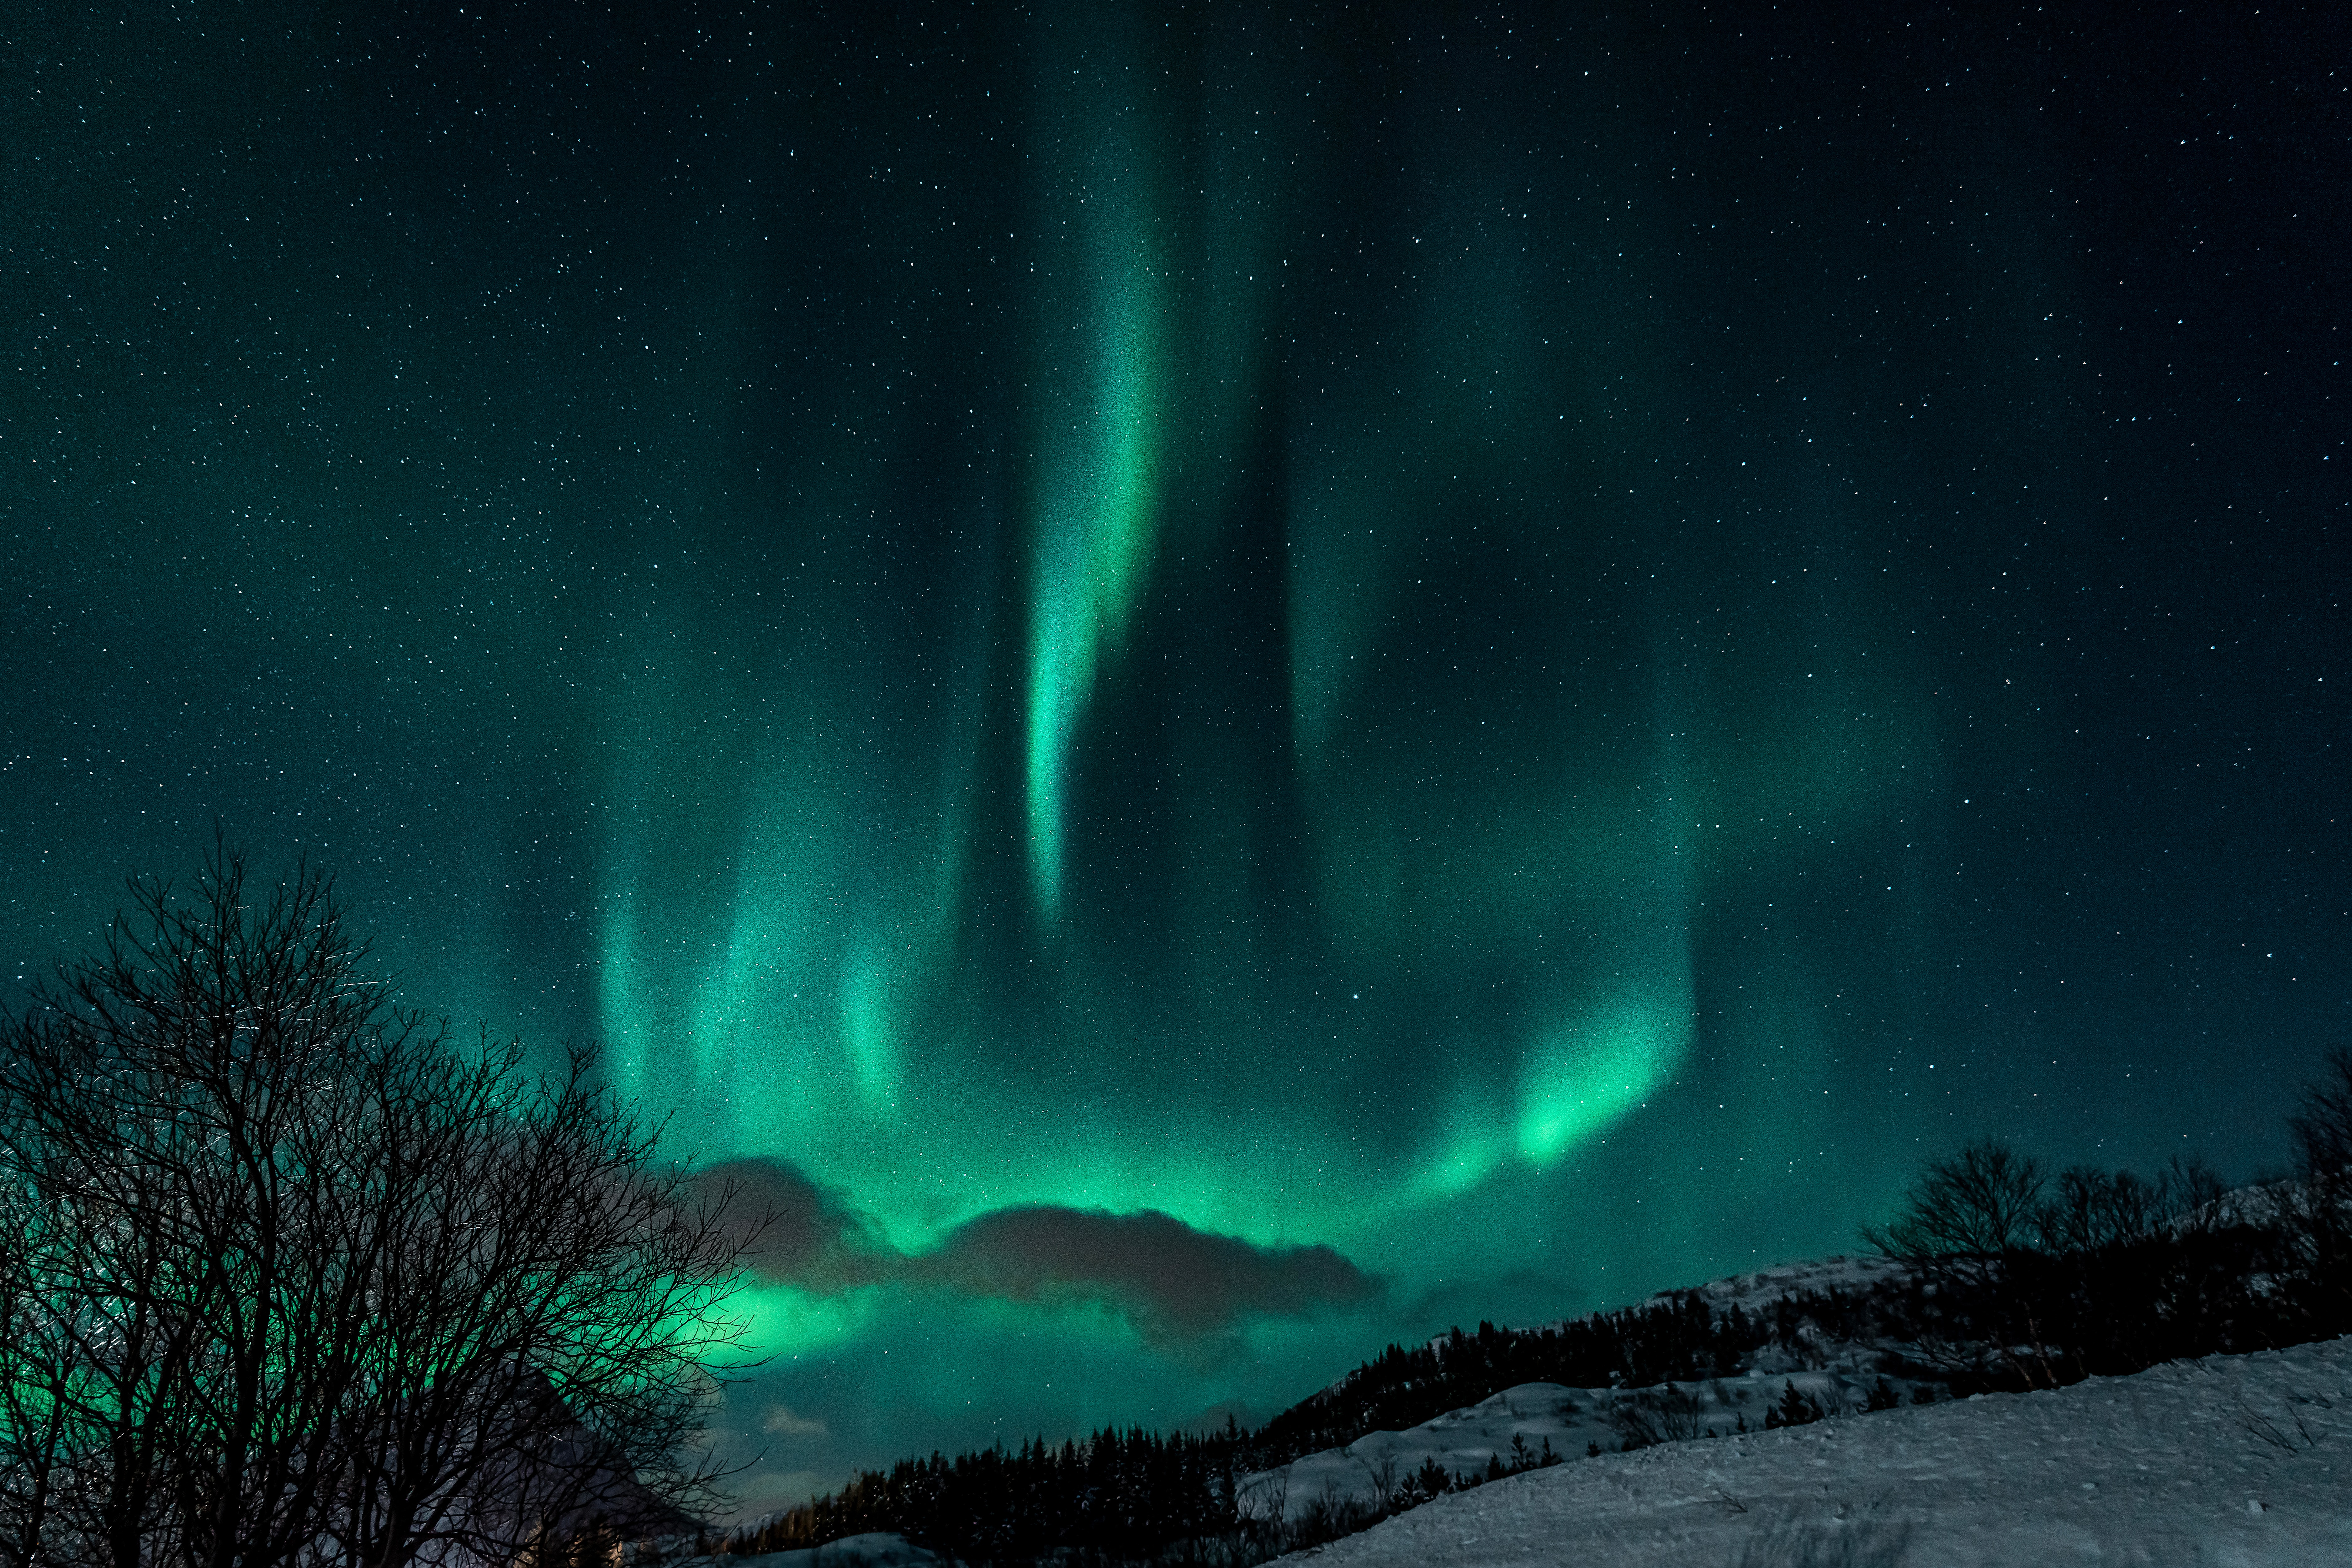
[{"x": 1176, "y": 1285}]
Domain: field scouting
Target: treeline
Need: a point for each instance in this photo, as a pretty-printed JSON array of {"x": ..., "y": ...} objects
[
  {"x": 2040, "y": 1278},
  {"x": 1117, "y": 1497},
  {"x": 1680, "y": 1338}
]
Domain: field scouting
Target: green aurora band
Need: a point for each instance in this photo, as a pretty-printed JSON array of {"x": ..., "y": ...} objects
[{"x": 1098, "y": 498}]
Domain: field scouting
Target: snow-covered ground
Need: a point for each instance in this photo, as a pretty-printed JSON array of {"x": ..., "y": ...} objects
[
  {"x": 2233, "y": 1460},
  {"x": 878, "y": 1550}
]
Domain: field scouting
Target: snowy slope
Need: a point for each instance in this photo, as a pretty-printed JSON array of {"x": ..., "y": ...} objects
[
  {"x": 850, "y": 1551},
  {"x": 1570, "y": 1420},
  {"x": 2233, "y": 1460},
  {"x": 1752, "y": 1291},
  {"x": 1574, "y": 1420}
]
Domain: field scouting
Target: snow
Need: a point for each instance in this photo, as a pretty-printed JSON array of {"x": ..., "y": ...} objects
[
  {"x": 875, "y": 1551},
  {"x": 1856, "y": 1274},
  {"x": 2244, "y": 1461},
  {"x": 1572, "y": 1420}
]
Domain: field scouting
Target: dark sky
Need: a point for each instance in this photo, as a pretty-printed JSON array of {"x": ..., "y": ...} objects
[{"x": 1216, "y": 685}]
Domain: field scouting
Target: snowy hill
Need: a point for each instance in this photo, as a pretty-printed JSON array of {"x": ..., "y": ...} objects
[
  {"x": 1811, "y": 1419},
  {"x": 1860, "y": 1271},
  {"x": 2239, "y": 1459},
  {"x": 1532, "y": 1418},
  {"x": 1526, "y": 1420},
  {"x": 874, "y": 1551}
]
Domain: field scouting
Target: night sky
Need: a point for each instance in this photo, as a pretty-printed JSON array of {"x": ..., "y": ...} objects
[{"x": 1216, "y": 688}]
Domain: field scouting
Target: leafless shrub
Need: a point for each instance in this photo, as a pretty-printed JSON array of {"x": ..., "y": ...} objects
[
  {"x": 2317, "y": 1207},
  {"x": 1846, "y": 1543},
  {"x": 2290, "y": 1431},
  {"x": 1671, "y": 1414}
]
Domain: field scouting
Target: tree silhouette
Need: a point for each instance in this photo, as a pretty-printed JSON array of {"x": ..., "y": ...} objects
[
  {"x": 1792, "y": 1409},
  {"x": 1977, "y": 1205},
  {"x": 290, "y": 1277},
  {"x": 2317, "y": 1208}
]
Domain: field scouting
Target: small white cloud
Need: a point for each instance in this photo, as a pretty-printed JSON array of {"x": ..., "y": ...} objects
[{"x": 782, "y": 1423}]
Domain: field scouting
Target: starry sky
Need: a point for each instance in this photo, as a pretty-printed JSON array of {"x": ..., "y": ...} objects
[{"x": 1215, "y": 685}]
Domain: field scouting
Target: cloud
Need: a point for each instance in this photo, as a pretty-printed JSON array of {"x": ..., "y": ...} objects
[
  {"x": 1174, "y": 1283},
  {"x": 814, "y": 1239},
  {"x": 1170, "y": 1280},
  {"x": 779, "y": 1421}
]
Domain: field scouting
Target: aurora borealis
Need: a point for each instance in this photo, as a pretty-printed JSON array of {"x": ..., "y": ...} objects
[{"x": 1216, "y": 685}]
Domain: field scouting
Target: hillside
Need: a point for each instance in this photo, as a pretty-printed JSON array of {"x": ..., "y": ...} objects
[
  {"x": 1852, "y": 1311},
  {"x": 1717, "y": 1358},
  {"x": 2239, "y": 1459}
]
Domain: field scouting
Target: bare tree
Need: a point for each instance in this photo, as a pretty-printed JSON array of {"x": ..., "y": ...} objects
[
  {"x": 2315, "y": 1210},
  {"x": 1982, "y": 1201},
  {"x": 552, "y": 1335},
  {"x": 1971, "y": 1220},
  {"x": 1671, "y": 1413},
  {"x": 38, "y": 1375},
  {"x": 290, "y": 1277},
  {"x": 162, "y": 1114},
  {"x": 2093, "y": 1210}
]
